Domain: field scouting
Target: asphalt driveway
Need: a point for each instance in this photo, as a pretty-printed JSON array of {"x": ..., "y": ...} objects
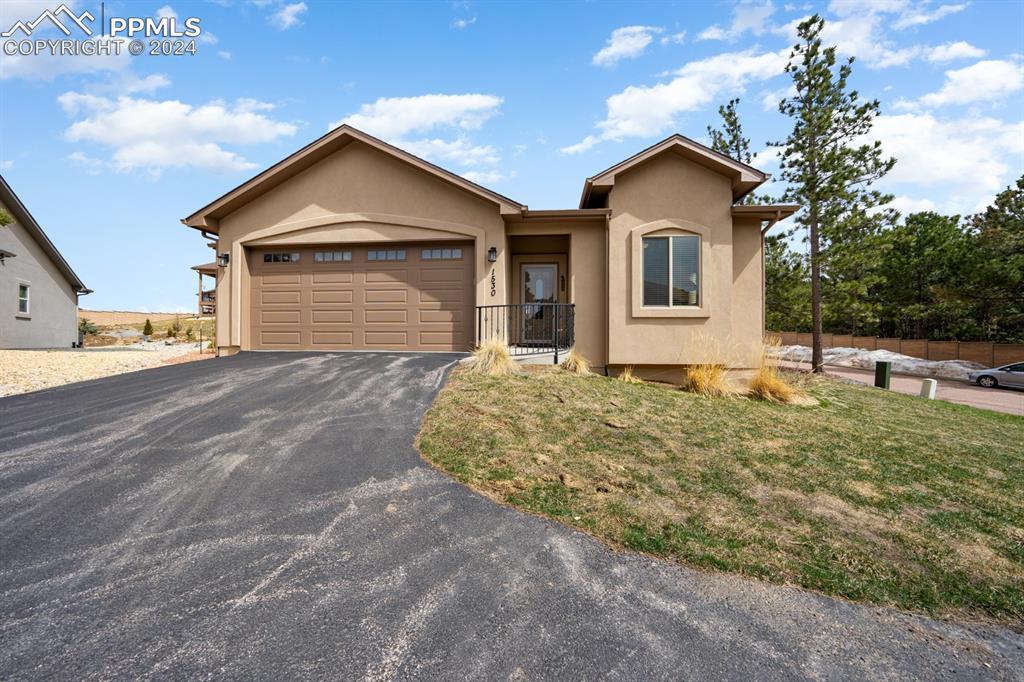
[{"x": 266, "y": 516}]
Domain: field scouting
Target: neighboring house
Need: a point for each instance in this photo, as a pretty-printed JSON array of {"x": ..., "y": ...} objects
[
  {"x": 207, "y": 305},
  {"x": 353, "y": 244},
  {"x": 38, "y": 289}
]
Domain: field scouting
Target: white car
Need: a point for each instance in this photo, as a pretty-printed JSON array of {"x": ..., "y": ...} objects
[{"x": 1007, "y": 375}]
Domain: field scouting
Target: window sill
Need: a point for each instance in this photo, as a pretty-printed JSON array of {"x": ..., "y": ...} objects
[
  {"x": 678, "y": 311},
  {"x": 22, "y": 316}
]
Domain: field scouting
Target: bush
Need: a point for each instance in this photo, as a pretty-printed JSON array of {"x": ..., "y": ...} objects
[
  {"x": 188, "y": 333},
  {"x": 627, "y": 376},
  {"x": 492, "y": 358},
  {"x": 147, "y": 329},
  {"x": 768, "y": 383},
  {"x": 707, "y": 380},
  {"x": 575, "y": 363},
  {"x": 87, "y": 327}
]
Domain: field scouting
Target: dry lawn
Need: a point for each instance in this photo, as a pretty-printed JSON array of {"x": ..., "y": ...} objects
[{"x": 868, "y": 495}]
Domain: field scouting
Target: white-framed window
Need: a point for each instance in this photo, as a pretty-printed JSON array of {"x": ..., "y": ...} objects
[
  {"x": 332, "y": 256},
  {"x": 23, "y": 299},
  {"x": 671, "y": 271},
  {"x": 281, "y": 257},
  {"x": 441, "y": 254},
  {"x": 385, "y": 254}
]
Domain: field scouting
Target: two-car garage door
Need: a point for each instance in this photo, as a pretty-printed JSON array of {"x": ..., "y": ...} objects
[{"x": 362, "y": 297}]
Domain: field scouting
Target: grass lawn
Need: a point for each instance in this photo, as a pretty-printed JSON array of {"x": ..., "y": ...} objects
[{"x": 870, "y": 495}]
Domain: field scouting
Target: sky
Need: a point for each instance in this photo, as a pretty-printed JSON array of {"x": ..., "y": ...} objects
[{"x": 109, "y": 153}]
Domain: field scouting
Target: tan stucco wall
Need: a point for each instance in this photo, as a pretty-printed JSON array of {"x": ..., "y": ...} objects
[
  {"x": 671, "y": 188},
  {"x": 586, "y": 271},
  {"x": 52, "y": 321},
  {"x": 356, "y": 194},
  {"x": 748, "y": 287}
]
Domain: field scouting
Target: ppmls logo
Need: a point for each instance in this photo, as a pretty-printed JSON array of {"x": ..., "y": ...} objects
[{"x": 170, "y": 37}]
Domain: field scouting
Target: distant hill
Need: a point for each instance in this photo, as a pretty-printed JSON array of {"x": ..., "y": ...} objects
[{"x": 107, "y": 318}]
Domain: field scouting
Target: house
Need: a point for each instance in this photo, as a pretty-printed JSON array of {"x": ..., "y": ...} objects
[
  {"x": 353, "y": 244},
  {"x": 207, "y": 305},
  {"x": 38, "y": 289}
]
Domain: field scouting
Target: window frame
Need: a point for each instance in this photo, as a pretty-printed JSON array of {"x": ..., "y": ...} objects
[
  {"x": 27, "y": 312},
  {"x": 293, "y": 257},
  {"x": 401, "y": 255},
  {"x": 671, "y": 269},
  {"x": 427, "y": 253},
  {"x": 669, "y": 228},
  {"x": 320, "y": 257}
]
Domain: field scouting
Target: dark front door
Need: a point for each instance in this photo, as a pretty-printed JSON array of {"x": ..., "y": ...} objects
[{"x": 539, "y": 286}]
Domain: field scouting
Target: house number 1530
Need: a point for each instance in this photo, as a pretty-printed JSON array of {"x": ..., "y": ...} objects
[{"x": 494, "y": 284}]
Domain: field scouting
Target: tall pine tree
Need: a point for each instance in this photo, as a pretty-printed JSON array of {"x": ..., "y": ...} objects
[
  {"x": 827, "y": 170},
  {"x": 729, "y": 140}
]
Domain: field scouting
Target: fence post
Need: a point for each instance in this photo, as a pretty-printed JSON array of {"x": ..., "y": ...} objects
[{"x": 554, "y": 333}]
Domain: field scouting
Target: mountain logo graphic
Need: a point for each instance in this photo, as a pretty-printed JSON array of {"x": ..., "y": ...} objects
[{"x": 54, "y": 18}]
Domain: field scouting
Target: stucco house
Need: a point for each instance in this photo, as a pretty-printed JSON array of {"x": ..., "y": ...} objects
[
  {"x": 353, "y": 244},
  {"x": 38, "y": 289}
]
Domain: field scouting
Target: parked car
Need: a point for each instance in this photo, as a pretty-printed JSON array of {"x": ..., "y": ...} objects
[{"x": 1007, "y": 375}]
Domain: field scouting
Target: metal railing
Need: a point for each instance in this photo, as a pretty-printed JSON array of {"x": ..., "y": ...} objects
[{"x": 528, "y": 328}]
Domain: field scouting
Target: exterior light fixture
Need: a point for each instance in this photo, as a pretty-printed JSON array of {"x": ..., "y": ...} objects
[
  {"x": 492, "y": 255},
  {"x": 223, "y": 259},
  {"x": 4, "y": 255}
]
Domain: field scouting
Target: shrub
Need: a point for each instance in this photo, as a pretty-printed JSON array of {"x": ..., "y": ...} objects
[
  {"x": 627, "y": 376},
  {"x": 188, "y": 333},
  {"x": 147, "y": 328},
  {"x": 768, "y": 383},
  {"x": 707, "y": 379},
  {"x": 492, "y": 358},
  {"x": 87, "y": 327},
  {"x": 575, "y": 363}
]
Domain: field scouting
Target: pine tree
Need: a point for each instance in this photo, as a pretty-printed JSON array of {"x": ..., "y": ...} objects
[
  {"x": 5, "y": 218},
  {"x": 147, "y": 329},
  {"x": 828, "y": 172},
  {"x": 729, "y": 140}
]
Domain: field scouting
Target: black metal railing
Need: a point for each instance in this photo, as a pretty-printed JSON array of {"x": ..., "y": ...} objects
[{"x": 528, "y": 328}]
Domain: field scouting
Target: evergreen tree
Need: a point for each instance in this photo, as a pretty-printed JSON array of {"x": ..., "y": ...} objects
[
  {"x": 729, "y": 140},
  {"x": 787, "y": 287},
  {"x": 5, "y": 218},
  {"x": 828, "y": 173},
  {"x": 147, "y": 329}
]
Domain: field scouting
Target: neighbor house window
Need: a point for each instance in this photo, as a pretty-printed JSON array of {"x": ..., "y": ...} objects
[
  {"x": 23, "y": 299},
  {"x": 671, "y": 271},
  {"x": 281, "y": 258},
  {"x": 332, "y": 256},
  {"x": 441, "y": 254},
  {"x": 386, "y": 254}
]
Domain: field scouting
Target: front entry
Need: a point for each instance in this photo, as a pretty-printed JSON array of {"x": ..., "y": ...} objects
[{"x": 539, "y": 283}]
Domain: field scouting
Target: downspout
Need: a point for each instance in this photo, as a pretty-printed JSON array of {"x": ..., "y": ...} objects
[
  {"x": 607, "y": 291},
  {"x": 764, "y": 286}
]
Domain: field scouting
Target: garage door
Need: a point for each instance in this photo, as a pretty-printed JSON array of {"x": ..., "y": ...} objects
[{"x": 367, "y": 297}]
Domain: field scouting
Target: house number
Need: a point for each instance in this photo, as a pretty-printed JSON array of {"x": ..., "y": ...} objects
[{"x": 494, "y": 284}]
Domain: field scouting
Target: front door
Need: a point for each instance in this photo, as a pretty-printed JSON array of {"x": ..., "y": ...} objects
[{"x": 539, "y": 286}]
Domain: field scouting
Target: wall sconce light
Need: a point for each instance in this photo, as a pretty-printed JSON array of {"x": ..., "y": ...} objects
[
  {"x": 223, "y": 259},
  {"x": 492, "y": 255},
  {"x": 5, "y": 255}
]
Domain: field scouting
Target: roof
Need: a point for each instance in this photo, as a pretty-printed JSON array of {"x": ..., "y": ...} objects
[
  {"x": 206, "y": 268},
  {"x": 207, "y": 217},
  {"x": 562, "y": 214},
  {"x": 25, "y": 219},
  {"x": 744, "y": 177}
]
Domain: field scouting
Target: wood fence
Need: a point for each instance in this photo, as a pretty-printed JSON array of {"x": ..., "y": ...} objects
[{"x": 983, "y": 352}]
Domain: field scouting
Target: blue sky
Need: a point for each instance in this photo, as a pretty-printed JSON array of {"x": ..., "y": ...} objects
[{"x": 528, "y": 99}]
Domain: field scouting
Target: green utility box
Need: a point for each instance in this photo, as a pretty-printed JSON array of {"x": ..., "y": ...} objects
[{"x": 883, "y": 373}]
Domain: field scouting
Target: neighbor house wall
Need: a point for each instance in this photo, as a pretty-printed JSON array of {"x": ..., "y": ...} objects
[
  {"x": 52, "y": 321},
  {"x": 587, "y": 283},
  {"x": 357, "y": 194},
  {"x": 671, "y": 194}
]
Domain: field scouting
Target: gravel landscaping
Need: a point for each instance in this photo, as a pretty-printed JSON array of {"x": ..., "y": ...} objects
[{"x": 22, "y": 371}]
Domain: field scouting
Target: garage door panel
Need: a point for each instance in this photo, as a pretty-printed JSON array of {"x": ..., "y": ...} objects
[
  {"x": 331, "y": 316},
  {"x": 287, "y": 297},
  {"x": 331, "y": 296},
  {"x": 411, "y": 304},
  {"x": 386, "y": 316},
  {"x": 332, "y": 338},
  {"x": 333, "y": 277}
]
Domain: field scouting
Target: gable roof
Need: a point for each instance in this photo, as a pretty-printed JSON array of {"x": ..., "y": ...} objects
[
  {"x": 21, "y": 215},
  {"x": 206, "y": 218},
  {"x": 744, "y": 177}
]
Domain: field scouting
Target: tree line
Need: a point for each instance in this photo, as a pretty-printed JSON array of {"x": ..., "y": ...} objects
[{"x": 867, "y": 270}]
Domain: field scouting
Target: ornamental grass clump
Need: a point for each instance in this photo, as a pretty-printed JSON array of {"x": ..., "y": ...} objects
[
  {"x": 768, "y": 383},
  {"x": 708, "y": 376},
  {"x": 575, "y": 363},
  {"x": 627, "y": 376},
  {"x": 493, "y": 359}
]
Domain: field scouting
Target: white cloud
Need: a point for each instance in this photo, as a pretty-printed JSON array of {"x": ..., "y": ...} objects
[
  {"x": 46, "y": 66},
  {"x": 627, "y": 42},
  {"x": 458, "y": 151},
  {"x": 224, "y": 54},
  {"x": 288, "y": 16},
  {"x": 746, "y": 16},
  {"x": 770, "y": 98},
  {"x": 965, "y": 161},
  {"x": 674, "y": 38},
  {"x": 981, "y": 82},
  {"x": 395, "y": 117},
  {"x": 91, "y": 165},
  {"x": 484, "y": 177},
  {"x": 157, "y": 134},
  {"x": 6, "y": 164},
  {"x": 644, "y": 111},
  {"x": 861, "y": 36},
  {"x": 951, "y": 51},
  {"x": 918, "y": 16},
  {"x": 166, "y": 12},
  {"x": 461, "y": 24}
]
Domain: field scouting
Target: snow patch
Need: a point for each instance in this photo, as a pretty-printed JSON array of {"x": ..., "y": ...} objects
[{"x": 866, "y": 359}]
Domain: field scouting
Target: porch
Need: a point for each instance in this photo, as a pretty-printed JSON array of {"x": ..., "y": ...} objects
[{"x": 207, "y": 306}]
